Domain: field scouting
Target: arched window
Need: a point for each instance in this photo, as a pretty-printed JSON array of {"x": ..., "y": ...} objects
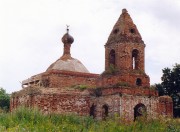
[
  {"x": 138, "y": 82},
  {"x": 104, "y": 111},
  {"x": 92, "y": 111},
  {"x": 112, "y": 57},
  {"x": 140, "y": 110},
  {"x": 135, "y": 57}
]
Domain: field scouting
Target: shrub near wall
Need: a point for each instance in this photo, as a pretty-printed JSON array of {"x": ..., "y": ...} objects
[{"x": 4, "y": 100}]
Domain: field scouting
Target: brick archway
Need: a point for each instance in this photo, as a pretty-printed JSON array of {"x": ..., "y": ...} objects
[
  {"x": 105, "y": 111},
  {"x": 93, "y": 111},
  {"x": 139, "y": 111}
]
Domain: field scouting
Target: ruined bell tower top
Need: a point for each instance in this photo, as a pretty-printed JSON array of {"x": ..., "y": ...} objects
[
  {"x": 125, "y": 53},
  {"x": 124, "y": 48},
  {"x": 124, "y": 30},
  {"x": 124, "y": 10}
]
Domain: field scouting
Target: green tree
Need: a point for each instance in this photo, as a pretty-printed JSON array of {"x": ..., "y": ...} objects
[
  {"x": 171, "y": 86},
  {"x": 167, "y": 81},
  {"x": 159, "y": 88},
  {"x": 4, "y": 100}
]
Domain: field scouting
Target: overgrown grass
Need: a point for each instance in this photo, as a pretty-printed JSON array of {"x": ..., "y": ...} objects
[{"x": 32, "y": 120}]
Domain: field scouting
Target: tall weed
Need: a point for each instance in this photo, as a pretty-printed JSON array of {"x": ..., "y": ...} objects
[{"x": 33, "y": 120}]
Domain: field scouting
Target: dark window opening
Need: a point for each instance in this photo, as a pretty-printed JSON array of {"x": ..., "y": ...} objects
[
  {"x": 112, "y": 57},
  {"x": 116, "y": 31},
  {"x": 92, "y": 111},
  {"x": 104, "y": 111},
  {"x": 140, "y": 111},
  {"x": 45, "y": 83},
  {"x": 132, "y": 30},
  {"x": 138, "y": 82},
  {"x": 135, "y": 59}
]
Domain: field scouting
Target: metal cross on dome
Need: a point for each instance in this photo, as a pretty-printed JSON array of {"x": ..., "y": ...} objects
[{"x": 67, "y": 28}]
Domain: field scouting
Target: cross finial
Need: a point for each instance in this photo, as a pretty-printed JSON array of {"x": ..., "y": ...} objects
[{"x": 67, "y": 28}]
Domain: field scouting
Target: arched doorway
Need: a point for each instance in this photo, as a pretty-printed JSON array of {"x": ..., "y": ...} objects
[
  {"x": 93, "y": 111},
  {"x": 140, "y": 111},
  {"x": 105, "y": 111}
]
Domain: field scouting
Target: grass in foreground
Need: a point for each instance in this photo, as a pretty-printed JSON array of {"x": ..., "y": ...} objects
[{"x": 32, "y": 120}]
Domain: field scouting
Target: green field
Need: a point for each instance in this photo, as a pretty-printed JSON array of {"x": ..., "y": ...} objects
[{"x": 32, "y": 120}]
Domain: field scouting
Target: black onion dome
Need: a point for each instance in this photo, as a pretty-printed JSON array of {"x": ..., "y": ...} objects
[{"x": 67, "y": 39}]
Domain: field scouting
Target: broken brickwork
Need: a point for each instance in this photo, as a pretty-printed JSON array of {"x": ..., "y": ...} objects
[
  {"x": 65, "y": 79},
  {"x": 54, "y": 100}
]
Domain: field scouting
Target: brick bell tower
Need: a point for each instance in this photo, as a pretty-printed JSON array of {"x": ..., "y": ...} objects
[{"x": 124, "y": 54}]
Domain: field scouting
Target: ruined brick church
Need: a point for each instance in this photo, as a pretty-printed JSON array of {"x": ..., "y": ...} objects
[{"x": 123, "y": 88}]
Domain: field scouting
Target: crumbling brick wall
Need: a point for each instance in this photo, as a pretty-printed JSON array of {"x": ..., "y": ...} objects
[
  {"x": 129, "y": 102},
  {"x": 112, "y": 103},
  {"x": 120, "y": 101},
  {"x": 62, "y": 103},
  {"x": 165, "y": 106},
  {"x": 64, "y": 79},
  {"x": 129, "y": 79},
  {"x": 123, "y": 53}
]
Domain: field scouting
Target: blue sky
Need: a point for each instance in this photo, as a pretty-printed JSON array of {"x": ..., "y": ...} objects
[{"x": 31, "y": 31}]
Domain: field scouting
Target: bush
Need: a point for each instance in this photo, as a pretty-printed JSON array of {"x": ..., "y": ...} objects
[
  {"x": 80, "y": 87},
  {"x": 4, "y": 100}
]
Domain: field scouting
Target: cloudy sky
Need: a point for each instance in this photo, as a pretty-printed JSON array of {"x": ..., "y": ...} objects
[{"x": 31, "y": 31}]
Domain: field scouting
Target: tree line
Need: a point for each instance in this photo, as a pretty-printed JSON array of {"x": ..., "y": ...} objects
[{"x": 170, "y": 85}]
